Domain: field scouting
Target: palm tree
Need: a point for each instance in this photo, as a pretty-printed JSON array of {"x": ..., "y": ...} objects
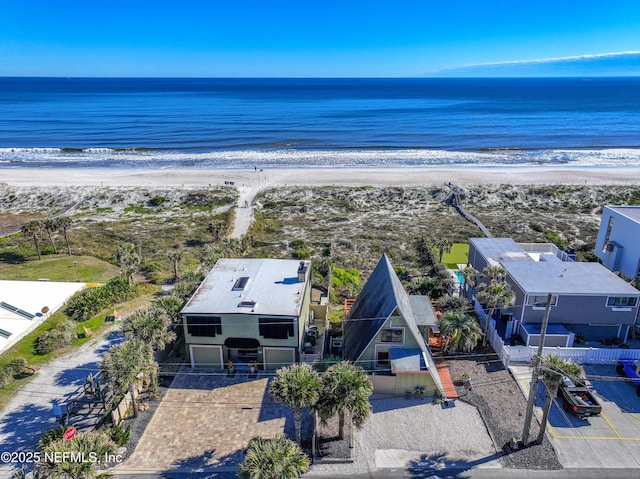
[
  {"x": 171, "y": 306},
  {"x": 216, "y": 228},
  {"x": 345, "y": 388},
  {"x": 128, "y": 257},
  {"x": 51, "y": 225},
  {"x": 123, "y": 364},
  {"x": 469, "y": 277},
  {"x": 296, "y": 386},
  {"x": 553, "y": 370},
  {"x": 496, "y": 294},
  {"x": 460, "y": 331},
  {"x": 494, "y": 272},
  {"x": 33, "y": 228},
  {"x": 444, "y": 246},
  {"x": 277, "y": 458},
  {"x": 149, "y": 326},
  {"x": 83, "y": 455},
  {"x": 175, "y": 256},
  {"x": 64, "y": 222}
]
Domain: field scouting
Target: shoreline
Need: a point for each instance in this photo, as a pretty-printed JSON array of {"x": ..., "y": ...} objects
[{"x": 336, "y": 176}]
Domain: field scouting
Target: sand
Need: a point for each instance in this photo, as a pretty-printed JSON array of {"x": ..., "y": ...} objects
[{"x": 246, "y": 180}]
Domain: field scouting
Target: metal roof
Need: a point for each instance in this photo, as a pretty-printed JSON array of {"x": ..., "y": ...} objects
[
  {"x": 381, "y": 295},
  {"x": 422, "y": 310},
  {"x": 272, "y": 288}
]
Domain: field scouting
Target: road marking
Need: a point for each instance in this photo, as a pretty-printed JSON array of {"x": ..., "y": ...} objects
[
  {"x": 635, "y": 417},
  {"x": 603, "y": 416},
  {"x": 598, "y": 438}
]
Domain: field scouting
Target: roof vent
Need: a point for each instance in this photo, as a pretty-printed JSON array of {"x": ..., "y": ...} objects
[
  {"x": 302, "y": 272},
  {"x": 246, "y": 304}
]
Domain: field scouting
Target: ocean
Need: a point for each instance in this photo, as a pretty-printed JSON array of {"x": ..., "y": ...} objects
[{"x": 247, "y": 123}]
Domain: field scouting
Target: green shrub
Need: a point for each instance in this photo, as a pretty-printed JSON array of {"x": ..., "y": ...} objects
[
  {"x": 50, "y": 436},
  {"x": 119, "y": 434},
  {"x": 16, "y": 366},
  {"x": 56, "y": 338},
  {"x": 302, "y": 253},
  {"x": 85, "y": 304},
  {"x": 156, "y": 201},
  {"x": 5, "y": 378}
]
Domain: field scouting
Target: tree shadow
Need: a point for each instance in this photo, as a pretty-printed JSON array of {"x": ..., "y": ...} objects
[
  {"x": 12, "y": 257},
  {"x": 76, "y": 376},
  {"x": 21, "y": 429},
  {"x": 206, "y": 466},
  {"x": 113, "y": 338},
  {"x": 383, "y": 403},
  {"x": 439, "y": 465}
]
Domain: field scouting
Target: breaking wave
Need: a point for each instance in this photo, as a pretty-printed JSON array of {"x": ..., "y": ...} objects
[{"x": 309, "y": 158}]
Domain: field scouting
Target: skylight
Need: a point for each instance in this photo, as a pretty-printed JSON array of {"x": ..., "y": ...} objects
[{"x": 241, "y": 283}]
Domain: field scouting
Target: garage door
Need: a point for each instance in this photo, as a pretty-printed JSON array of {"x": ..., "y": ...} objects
[
  {"x": 203, "y": 356},
  {"x": 275, "y": 358}
]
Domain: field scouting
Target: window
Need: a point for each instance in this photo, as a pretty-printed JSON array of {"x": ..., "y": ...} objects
[
  {"x": 621, "y": 301},
  {"x": 207, "y": 326},
  {"x": 241, "y": 283},
  {"x": 383, "y": 358},
  {"x": 541, "y": 301},
  {"x": 392, "y": 335},
  {"x": 607, "y": 236},
  {"x": 276, "y": 328}
]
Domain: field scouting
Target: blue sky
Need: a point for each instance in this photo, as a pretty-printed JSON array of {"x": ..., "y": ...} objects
[{"x": 312, "y": 38}]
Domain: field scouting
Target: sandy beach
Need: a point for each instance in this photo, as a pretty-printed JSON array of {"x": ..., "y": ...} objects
[{"x": 261, "y": 179}]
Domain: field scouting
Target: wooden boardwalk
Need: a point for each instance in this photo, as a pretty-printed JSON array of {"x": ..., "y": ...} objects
[{"x": 454, "y": 200}]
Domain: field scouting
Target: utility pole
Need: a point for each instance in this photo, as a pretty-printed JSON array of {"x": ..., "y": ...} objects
[{"x": 536, "y": 371}]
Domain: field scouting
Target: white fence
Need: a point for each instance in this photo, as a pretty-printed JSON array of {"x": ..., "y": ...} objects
[
  {"x": 592, "y": 355},
  {"x": 523, "y": 354}
]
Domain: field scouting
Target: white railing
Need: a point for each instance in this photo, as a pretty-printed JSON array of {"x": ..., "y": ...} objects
[
  {"x": 592, "y": 355},
  {"x": 578, "y": 355},
  {"x": 309, "y": 358}
]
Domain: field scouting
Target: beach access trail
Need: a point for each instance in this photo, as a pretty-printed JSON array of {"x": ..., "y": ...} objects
[{"x": 29, "y": 414}]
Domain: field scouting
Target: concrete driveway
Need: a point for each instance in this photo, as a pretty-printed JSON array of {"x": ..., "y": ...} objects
[{"x": 611, "y": 440}]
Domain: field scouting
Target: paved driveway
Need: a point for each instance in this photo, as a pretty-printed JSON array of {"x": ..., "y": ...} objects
[
  {"x": 204, "y": 422},
  {"x": 611, "y": 440}
]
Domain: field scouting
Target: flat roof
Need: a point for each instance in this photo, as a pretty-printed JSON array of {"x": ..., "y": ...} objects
[
  {"x": 631, "y": 212},
  {"x": 22, "y": 302},
  {"x": 542, "y": 272},
  {"x": 565, "y": 277},
  {"x": 255, "y": 286}
]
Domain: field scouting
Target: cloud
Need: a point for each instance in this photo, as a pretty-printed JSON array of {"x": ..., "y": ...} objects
[{"x": 598, "y": 64}]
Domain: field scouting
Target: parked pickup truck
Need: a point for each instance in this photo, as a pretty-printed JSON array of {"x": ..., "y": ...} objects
[
  {"x": 631, "y": 369},
  {"x": 578, "y": 399}
]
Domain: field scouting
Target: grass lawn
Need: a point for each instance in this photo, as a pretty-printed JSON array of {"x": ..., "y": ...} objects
[
  {"x": 82, "y": 269},
  {"x": 459, "y": 255},
  {"x": 24, "y": 347}
]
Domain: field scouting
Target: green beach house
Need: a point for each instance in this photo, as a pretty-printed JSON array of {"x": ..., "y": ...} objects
[{"x": 249, "y": 311}]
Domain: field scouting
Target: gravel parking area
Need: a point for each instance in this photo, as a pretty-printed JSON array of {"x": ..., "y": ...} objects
[
  {"x": 503, "y": 407},
  {"x": 414, "y": 435}
]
